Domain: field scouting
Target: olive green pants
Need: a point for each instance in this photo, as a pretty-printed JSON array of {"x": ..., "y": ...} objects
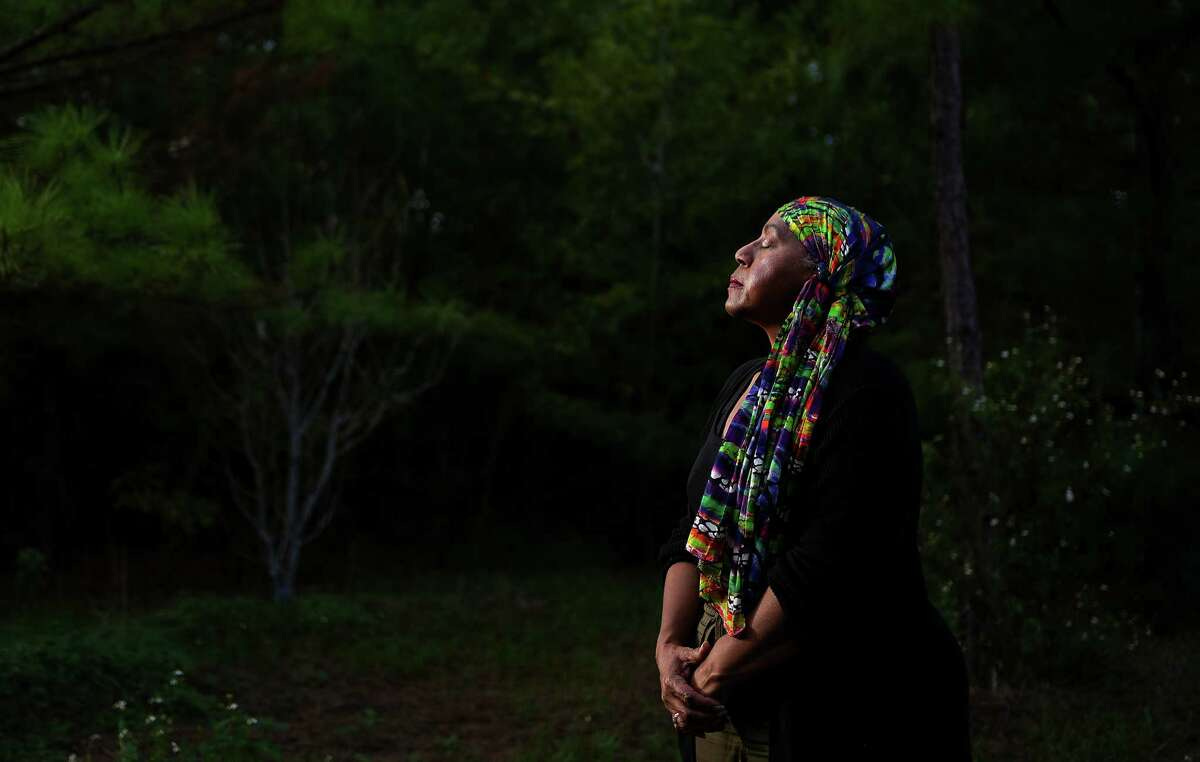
[{"x": 748, "y": 741}]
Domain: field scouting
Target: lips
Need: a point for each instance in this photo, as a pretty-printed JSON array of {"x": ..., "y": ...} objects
[{"x": 735, "y": 282}]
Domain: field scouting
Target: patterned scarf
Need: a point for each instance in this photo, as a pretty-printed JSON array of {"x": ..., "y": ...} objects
[{"x": 852, "y": 290}]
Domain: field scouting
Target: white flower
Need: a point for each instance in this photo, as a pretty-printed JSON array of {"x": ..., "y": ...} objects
[
  {"x": 150, "y": 718},
  {"x": 232, "y": 706},
  {"x": 178, "y": 673},
  {"x": 1070, "y": 496},
  {"x": 251, "y": 720},
  {"x": 994, "y": 521},
  {"x": 124, "y": 732},
  {"x": 1004, "y": 353},
  {"x": 120, "y": 705},
  {"x": 174, "y": 747}
]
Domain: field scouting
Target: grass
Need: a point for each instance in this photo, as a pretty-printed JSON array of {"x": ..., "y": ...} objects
[{"x": 507, "y": 666}]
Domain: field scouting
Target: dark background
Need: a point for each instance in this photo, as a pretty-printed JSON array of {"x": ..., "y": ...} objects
[{"x": 536, "y": 205}]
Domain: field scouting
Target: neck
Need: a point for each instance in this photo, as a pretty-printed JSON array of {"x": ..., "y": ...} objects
[{"x": 772, "y": 332}]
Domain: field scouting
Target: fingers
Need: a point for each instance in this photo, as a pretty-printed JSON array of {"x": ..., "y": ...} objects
[
  {"x": 681, "y": 697},
  {"x": 697, "y": 654},
  {"x": 690, "y": 722},
  {"x": 692, "y": 698},
  {"x": 698, "y": 712}
]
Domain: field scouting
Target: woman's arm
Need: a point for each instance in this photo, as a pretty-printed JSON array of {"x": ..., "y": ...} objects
[
  {"x": 676, "y": 658},
  {"x": 681, "y": 604},
  {"x": 847, "y": 566},
  {"x": 761, "y": 645}
]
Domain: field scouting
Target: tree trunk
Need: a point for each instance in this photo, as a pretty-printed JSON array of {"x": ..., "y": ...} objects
[
  {"x": 950, "y": 200},
  {"x": 963, "y": 339},
  {"x": 1157, "y": 340},
  {"x": 283, "y": 576}
]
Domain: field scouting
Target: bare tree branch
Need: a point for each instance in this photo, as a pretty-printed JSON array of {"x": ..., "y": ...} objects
[
  {"x": 61, "y": 26},
  {"x": 133, "y": 44}
]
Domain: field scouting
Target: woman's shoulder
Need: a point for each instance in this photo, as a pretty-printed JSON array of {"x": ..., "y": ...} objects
[{"x": 864, "y": 369}]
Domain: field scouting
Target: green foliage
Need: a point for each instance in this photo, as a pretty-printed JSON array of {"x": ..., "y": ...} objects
[
  {"x": 66, "y": 679},
  {"x": 1049, "y": 537},
  {"x": 31, "y": 576},
  {"x": 74, "y": 210},
  {"x": 477, "y": 627},
  {"x": 146, "y": 489},
  {"x": 146, "y": 734},
  {"x": 244, "y": 629}
]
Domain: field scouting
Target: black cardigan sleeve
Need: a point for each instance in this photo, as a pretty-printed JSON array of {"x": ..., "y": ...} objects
[{"x": 861, "y": 494}]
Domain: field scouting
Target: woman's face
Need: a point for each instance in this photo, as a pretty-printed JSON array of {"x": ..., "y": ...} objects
[{"x": 770, "y": 271}]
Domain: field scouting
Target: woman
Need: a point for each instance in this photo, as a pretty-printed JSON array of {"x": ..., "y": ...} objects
[{"x": 796, "y": 622}]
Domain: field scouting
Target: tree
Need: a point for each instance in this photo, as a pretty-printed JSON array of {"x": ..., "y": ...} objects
[
  {"x": 950, "y": 202},
  {"x": 305, "y": 389},
  {"x": 318, "y": 338}
]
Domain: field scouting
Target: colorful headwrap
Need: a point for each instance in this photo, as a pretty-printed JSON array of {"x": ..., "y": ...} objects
[{"x": 852, "y": 290}]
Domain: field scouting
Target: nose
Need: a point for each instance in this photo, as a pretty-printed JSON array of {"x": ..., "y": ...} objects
[{"x": 743, "y": 255}]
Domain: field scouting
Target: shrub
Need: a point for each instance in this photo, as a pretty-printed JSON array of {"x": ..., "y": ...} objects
[{"x": 1034, "y": 533}]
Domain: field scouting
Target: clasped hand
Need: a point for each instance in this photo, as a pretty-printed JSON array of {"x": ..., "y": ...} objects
[{"x": 689, "y": 688}]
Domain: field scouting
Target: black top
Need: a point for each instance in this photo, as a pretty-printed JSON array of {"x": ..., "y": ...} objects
[{"x": 883, "y": 668}]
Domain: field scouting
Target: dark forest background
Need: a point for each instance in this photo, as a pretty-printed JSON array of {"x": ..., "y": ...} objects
[{"x": 317, "y": 298}]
